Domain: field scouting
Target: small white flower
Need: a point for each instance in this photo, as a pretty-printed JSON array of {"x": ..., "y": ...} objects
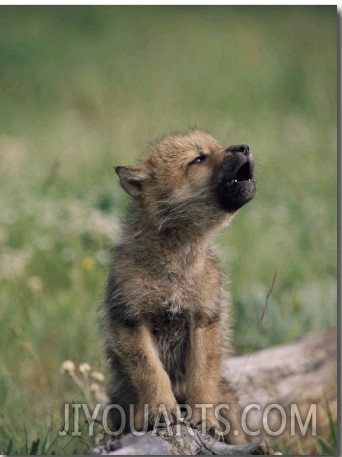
[
  {"x": 98, "y": 393},
  {"x": 94, "y": 388},
  {"x": 97, "y": 376},
  {"x": 84, "y": 368},
  {"x": 67, "y": 367}
]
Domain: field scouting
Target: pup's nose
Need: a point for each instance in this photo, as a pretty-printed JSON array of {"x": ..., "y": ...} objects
[{"x": 243, "y": 148}]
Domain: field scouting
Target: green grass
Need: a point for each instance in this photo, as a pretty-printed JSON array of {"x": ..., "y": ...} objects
[{"x": 86, "y": 88}]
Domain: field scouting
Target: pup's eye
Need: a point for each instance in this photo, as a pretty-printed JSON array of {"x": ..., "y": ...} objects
[{"x": 199, "y": 159}]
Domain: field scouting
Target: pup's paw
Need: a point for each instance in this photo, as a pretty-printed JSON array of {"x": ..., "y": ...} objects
[
  {"x": 162, "y": 415},
  {"x": 206, "y": 424},
  {"x": 265, "y": 449}
]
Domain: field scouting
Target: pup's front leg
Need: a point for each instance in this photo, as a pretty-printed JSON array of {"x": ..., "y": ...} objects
[
  {"x": 205, "y": 387},
  {"x": 139, "y": 356},
  {"x": 203, "y": 376}
]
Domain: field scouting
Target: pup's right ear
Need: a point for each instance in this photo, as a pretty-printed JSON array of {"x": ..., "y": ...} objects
[{"x": 132, "y": 179}]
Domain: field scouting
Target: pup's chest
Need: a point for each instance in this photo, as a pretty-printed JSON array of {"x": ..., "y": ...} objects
[
  {"x": 171, "y": 332},
  {"x": 184, "y": 293}
]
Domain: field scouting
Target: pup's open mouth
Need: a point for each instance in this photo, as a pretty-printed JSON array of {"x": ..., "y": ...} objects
[
  {"x": 244, "y": 173},
  {"x": 234, "y": 182}
]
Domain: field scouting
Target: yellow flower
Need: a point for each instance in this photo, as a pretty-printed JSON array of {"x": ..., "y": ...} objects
[
  {"x": 35, "y": 284},
  {"x": 88, "y": 262}
]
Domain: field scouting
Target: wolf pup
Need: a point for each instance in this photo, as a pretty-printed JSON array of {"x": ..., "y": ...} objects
[{"x": 164, "y": 316}]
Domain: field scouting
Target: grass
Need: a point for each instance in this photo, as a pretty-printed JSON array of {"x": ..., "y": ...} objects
[
  {"x": 330, "y": 445},
  {"x": 86, "y": 88}
]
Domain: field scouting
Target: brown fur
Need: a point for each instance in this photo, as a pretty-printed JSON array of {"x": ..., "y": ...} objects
[{"x": 164, "y": 317}]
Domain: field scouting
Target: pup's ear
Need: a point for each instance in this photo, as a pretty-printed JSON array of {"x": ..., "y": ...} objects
[{"x": 132, "y": 179}]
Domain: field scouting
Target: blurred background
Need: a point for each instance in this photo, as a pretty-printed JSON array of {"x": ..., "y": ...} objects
[{"x": 85, "y": 88}]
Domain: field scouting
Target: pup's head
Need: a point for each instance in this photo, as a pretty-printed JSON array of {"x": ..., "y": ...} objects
[{"x": 190, "y": 180}]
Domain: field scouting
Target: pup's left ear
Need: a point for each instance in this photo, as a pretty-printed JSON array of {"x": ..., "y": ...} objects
[{"x": 132, "y": 179}]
